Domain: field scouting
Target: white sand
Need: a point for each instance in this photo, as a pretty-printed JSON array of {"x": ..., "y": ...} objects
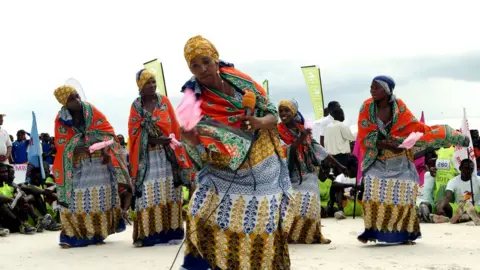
[{"x": 443, "y": 246}]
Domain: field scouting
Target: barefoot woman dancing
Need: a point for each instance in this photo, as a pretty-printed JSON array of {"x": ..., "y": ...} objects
[
  {"x": 87, "y": 183},
  {"x": 156, "y": 167},
  {"x": 303, "y": 155},
  {"x": 247, "y": 179},
  {"x": 391, "y": 180}
]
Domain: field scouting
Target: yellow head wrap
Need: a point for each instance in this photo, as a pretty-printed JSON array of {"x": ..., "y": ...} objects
[
  {"x": 199, "y": 45},
  {"x": 289, "y": 104},
  {"x": 143, "y": 76},
  {"x": 63, "y": 92}
]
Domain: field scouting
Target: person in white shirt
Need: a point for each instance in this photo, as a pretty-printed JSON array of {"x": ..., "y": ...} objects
[
  {"x": 457, "y": 202},
  {"x": 425, "y": 195},
  {"x": 319, "y": 126},
  {"x": 338, "y": 137},
  {"x": 5, "y": 143}
]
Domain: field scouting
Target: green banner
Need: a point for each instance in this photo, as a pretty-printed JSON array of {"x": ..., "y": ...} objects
[
  {"x": 314, "y": 86},
  {"x": 265, "y": 86},
  {"x": 157, "y": 67}
]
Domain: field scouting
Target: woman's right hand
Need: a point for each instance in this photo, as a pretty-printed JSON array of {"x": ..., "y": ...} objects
[
  {"x": 190, "y": 137},
  {"x": 389, "y": 145}
]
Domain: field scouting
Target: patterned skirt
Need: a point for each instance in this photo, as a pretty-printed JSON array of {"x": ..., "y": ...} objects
[
  {"x": 389, "y": 210},
  {"x": 306, "y": 228},
  {"x": 94, "y": 211},
  {"x": 159, "y": 210},
  {"x": 240, "y": 221}
]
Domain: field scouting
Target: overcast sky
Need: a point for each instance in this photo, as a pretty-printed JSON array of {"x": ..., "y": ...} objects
[{"x": 431, "y": 49}]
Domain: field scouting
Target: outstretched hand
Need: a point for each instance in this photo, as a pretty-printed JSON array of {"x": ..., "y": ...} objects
[{"x": 250, "y": 123}]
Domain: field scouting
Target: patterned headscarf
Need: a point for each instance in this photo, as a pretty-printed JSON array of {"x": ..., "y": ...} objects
[
  {"x": 292, "y": 104},
  {"x": 63, "y": 92},
  {"x": 143, "y": 76},
  {"x": 387, "y": 83},
  {"x": 199, "y": 45}
]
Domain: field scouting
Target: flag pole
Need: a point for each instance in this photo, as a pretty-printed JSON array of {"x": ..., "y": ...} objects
[
  {"x": 468, "y": 155},
  {"x": 355, "y": 199},
  {"x": 471, "y": 182}
]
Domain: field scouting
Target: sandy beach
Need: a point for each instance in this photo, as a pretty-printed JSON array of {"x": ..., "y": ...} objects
[{"x": 443, "y": 246}]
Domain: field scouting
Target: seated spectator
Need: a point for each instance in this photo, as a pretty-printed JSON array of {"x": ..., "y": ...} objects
[
  {"x": 41, "y": 222},
  {"x": 456, "y": 203},
  {"x": 342, "y": 192},
  {"x": 426, "y": 193},
  {"x": 43, "y": 193},
  {"x": 15, "y": 219}
]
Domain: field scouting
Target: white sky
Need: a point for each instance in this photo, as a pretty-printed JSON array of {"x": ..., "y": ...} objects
[{"x": 104, "y": 43}]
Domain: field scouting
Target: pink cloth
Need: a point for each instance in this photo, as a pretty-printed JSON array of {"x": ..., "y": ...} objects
[
  {"x": 410, "y": 141},
  {"x": 188, "y": 111},
  {"x": 420, "y": 165},
  {"x": 308, "y": 124},
  {"x": 97, "y": 146}
]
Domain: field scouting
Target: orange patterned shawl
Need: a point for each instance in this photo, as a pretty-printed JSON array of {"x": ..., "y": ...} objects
[
  {"x": 403, "y": 123},
  {"x": 141, "y": 124},
  {"x": 67, "y": 138}
]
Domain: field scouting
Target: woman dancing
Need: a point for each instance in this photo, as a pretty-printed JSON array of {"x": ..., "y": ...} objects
[
  {"x": 87, "y": 183},
  {"x": 304, "y": 154},
  {"x": 157, "y": 169},
  {"x": 391, "y": 179},
  {"x": 238, "y": 217}
]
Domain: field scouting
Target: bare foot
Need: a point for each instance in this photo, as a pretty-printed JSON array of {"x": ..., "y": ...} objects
[
  {"x": 439, "y": 219},
  {"x": 64, "y": 246},
  {"x": 100, "y": 243},
  {"x": 472, "y": 213},
  {"x": 324, "y": 240},
  {"x": 409, "y": 243},
  {"x": 138, "y": 243},
  {"x": 458, "y": 214}
]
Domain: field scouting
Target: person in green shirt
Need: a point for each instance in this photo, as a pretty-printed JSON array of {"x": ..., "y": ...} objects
[
  {"x": 16, "y": 218},
  {"x": 42, "y": 193},
  {"x": 445, "y": 170}
]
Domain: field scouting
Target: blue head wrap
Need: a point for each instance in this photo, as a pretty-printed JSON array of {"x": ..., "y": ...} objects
[{"x": 387, "y": 83}]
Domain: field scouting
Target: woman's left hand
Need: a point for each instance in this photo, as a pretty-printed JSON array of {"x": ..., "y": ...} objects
[
  {"x": 389, "y": 145},
  {"x": 250, "y": 123}
]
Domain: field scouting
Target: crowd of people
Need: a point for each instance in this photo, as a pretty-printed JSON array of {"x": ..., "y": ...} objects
[{"x": 253, "y": 184}]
